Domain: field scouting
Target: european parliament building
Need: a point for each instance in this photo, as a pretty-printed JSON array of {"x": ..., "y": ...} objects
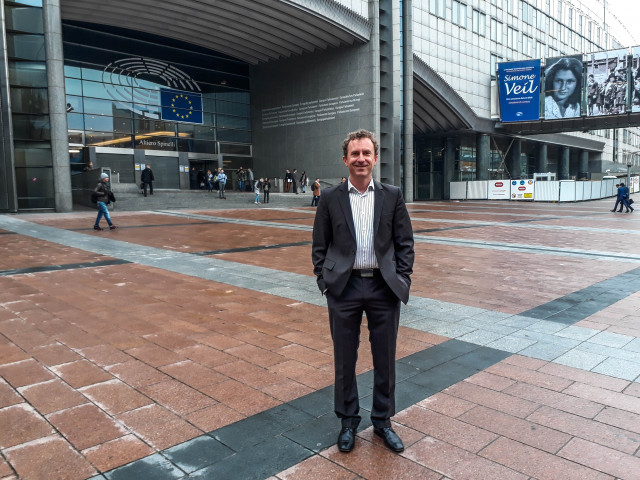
[{"x": 276, "y": 84}]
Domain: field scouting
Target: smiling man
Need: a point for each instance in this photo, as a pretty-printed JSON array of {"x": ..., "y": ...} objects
[{"x": 363, "y": 258}]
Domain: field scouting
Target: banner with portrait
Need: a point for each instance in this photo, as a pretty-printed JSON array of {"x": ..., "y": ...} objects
[
  {"x": 635, "y": 79},
  {"x": 519, "y": 84},
  {"x": 563, "y": 87},
  {"x": 606, "y": 88}
]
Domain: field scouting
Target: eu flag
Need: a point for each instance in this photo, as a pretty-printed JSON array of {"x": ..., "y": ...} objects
[{"x": 181, "y": 106}]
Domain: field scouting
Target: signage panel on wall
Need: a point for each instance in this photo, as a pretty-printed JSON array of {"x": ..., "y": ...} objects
[
  {"x": 499, "y": 190},
  {"x": 519, "y": 84},
  {"x": 522, "y": 189},
  {"x": 606, "y": 86},
  {"x": 635, "y": 79},
  {"x": 563, "y": 87}
]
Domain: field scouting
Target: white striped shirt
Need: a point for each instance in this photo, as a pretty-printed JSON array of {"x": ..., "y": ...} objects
[{"x": 362, "y": 212}]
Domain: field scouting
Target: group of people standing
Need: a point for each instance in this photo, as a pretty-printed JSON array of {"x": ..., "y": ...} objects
[
  {"x": 607, "y": 98},
  {"x": 293, "y": 182}
]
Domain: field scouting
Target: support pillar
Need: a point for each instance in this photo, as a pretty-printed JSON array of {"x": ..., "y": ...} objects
[
  {"x": 515, "y": 164},
  {"x": 57, "y": 105},
  {"x": 583, "y": 168},
  {"x": 563, "y": 164},
  {"x": 407, "y": 117},
  {"x": 483, "y": 156},
  {"x": 448, "y": 167},
  {"x": 542, "y": 163}
]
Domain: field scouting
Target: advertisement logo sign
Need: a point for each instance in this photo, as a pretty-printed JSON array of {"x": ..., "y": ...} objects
[{"x": 519, "y": 87}]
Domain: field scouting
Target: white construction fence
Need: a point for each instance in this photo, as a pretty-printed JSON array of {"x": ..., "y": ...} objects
[{"x": 540, "y": 191}]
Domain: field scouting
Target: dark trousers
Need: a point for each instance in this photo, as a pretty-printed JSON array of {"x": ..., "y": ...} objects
[
  {"x": 315, "y": 200},
  {"x": 144, "y": 188},
  {"x": 373, "y": 297},
  {"x": 266, "y": 196}
]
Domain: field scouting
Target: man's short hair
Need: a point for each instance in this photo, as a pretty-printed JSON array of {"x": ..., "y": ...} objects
[{"x": 357, "y": 135}]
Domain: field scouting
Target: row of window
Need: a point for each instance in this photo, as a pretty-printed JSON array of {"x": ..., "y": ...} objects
[{"x": 577, "y": 34}]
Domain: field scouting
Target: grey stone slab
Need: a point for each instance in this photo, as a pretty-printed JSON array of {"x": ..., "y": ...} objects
[
  {"x": 577, "y": 333},
  {"x": 443, "y": 376},
  {"x": 545, "y": 326},
  {"x": 450, "y": 330},
  {"x": 620, "y": 353},
  {"x": 154, "y": 466},
  {"x": 610, "y": 339},
  {"x": 518, "y": 321},
  {"x": 633, "y": 345},
  {"x": 197, "y": 453},
  {"x": 492, "y": 316},
  {"x": 545, "y": 351},
  {"x": 425, "y": 325},
  {"x": 566, "y": 343},
  {"x": 481, "y": 337},
  {"x": 317, "y": 434},
  {"x": 511, "y": 344},
  {"x": 481, "y": 358},
  {"x": 580, "y": 359},
  {"x": 263, "y": 461},
  {"x": 317, "y": 403},
  {"x": 618, "y": 368},
  {"x": 409, "y": 393}
]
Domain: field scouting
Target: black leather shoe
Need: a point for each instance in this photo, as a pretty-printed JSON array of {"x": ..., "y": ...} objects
[
  {"x": 391, "y": 438},
  {"x": 346, "y": 439}
]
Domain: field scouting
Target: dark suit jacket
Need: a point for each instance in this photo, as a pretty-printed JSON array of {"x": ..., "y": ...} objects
[{"x": 334, "y": 239}]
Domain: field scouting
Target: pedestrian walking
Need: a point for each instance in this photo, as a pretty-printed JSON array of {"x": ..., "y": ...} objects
[
  {"x": 315, "y": 189},
  {"x": 104, "y": 197}
]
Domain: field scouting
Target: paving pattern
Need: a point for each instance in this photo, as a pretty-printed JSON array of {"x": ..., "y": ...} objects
[{"x": 194, "y": 344}]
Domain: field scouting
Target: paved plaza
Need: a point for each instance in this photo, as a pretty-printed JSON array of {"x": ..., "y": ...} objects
[{"x": 194, "y": 344}]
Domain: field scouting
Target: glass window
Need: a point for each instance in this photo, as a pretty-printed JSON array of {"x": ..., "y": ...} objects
[
  {"x": 459, "y": 13},
  {"x": 146, "y": 125},
  {"x": 198, "y": 132},
  {"x": 106, "y": 91},
  {"x": 30, "y": 3},
  {"x": 75, "y": 121},
  {"x": 202, "y": 146},
  {"x": 233, "y": 108},
  {"x": 29, "y": 100},
  {"x": 32, "y": 154},
  {"x": 107, "y": 124},
  {"x": 71, "y": 71},
  {"x": 35, "y": 187},
  {"x": 31, "y": 127},
  {"x": 511, "y": 37},
  {"x": 21, "y": 19},
  {"x": 240, "y": 136},
  {"x": 107, "y": 107},
  {"x": 27, "y": 74},
  {"x": 479, "y": 25},
  {"x": 496, "y": 30},
  {"x": 227, "y": 121},
  {"x": 108, "y": 139},
  {"x": 26, "y": 47}
]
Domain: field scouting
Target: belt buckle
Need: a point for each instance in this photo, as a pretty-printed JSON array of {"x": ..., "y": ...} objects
[{"x": 366, "y": 273}]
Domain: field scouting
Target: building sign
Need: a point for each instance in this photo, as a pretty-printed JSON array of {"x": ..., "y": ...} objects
[
  {"x": 154, "y": 143},
  {"x": 635, "y": 79},
  {"x": 519, "y": 90},
  {"x": 522, "y": 189},
  {"x": 313, "y": 111},
  {"x": 563, "y": 87},
  {"x": 498, "y": 190},
  {"x": 181, "y": 106}
]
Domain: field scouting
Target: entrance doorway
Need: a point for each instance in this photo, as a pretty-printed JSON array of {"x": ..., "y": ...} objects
[
  {"x": 197, "y": 172},
  {"x": 429, "y": 168}
]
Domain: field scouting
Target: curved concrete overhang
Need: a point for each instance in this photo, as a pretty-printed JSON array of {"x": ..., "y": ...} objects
[
  {"x": 438, "y": 108},
  {"x": 255, "y": 31}
]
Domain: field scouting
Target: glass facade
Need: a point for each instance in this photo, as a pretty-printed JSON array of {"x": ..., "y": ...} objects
[
  {"x": 29, "y": 104},
  {"x": 132, "y": 90}
]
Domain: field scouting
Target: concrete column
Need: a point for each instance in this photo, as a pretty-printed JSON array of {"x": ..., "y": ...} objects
[
  {"x": 542, "y": 163},
  {"x": 374, "y": 45},
  {"x": 8, "y": 188},
  {"x": 448, "y": 167},
  {"x": 57, "y": 105},
  {"x": 483, "y": 156},
  {"x": 583, "y": 167},
  {"x": 563, "y": 164},
  {"x": 407, "y": 73},
  {"x": 515, "y": 163}
]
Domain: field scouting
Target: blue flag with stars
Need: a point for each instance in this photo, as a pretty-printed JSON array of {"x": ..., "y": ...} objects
[{"x": 181, "y": 106}]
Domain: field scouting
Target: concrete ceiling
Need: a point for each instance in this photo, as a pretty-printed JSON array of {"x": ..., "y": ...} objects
[{"x": 256, "y": 31}]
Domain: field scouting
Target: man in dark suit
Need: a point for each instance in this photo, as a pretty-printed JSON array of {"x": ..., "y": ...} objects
[{"x": 363, "y": 258}]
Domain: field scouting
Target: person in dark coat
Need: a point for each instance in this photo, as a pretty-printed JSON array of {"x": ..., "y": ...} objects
[{"x": 147, "y": 180}]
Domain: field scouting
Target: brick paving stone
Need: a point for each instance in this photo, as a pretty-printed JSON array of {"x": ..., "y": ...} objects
[
  {"x": 21, "y": 424},
  {"x": 214, "y": 417},
  {"x": 620, "y": 418},
  {"x": 51, "y": 396},
  {"x": 305, "y": 374},
  {"x": 9, "y": 353},
  {"x": 255, "y": 355},
  {"x": 8, "y": 395},
  {"x": 517, "y": 429},
  {"x": 207, "y": 356},
  {"x": 540, "y": 379},
  {"x": 457, "y": 463},
  {"x": 605, "y": 397},
  {"x": 115, "y": 396},
  {"x": 316, "y": 467},
  {"x": 582, "y": 376},
  {"x": 117, "y": 452},
  {"x": 561, "y": 401},
  {"x": 492, "y": 399},
  {"x": 5, "y": 470},
  {"x": 447, "y": 404},
  {"x": 73, "y": 422},
  {"x": 613, "y": 437},
  {"x": 177, "y": 397},
  {"x": 25, "y": 372},
  {"x": 633, "y": 389},
  {"x": 489, "y": 380},
  {"x": 249, "y": 374},
  {"x": 50, "y": 457},
  {"x": 105, "y": 355},
  {"x": 240, "y": 397},
  {"x": 55, "y": 354},
  {"x": 305, "y": 355},
  {"x": 154, "y": 355},
  {"x": 444, "y": 428},
  {"x": 81, "y": 373},
  {"x": 537, "y": 463},
  {"x": 604, "y": 459},
  {"x": 287, "y": 390},
  {"x": 144, "y": 421},
  {"x": 375, "y": 462},
  {"x": 193, "y": 374},
  {"x": 137, "y": 374}
]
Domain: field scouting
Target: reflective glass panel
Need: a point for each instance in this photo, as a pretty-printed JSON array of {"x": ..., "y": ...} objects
[
  {"x": 29, "y": 100},
  {"x": 27, "y": 74},
  {"x": 35, "y": 187},
  {"x": 31, "y": 127},
  {"x": 26, "y": 47},
  {"x": 30, "y": 154},
  {"x": 75, "y": 121},
  {"x": 21, "y": 19}
]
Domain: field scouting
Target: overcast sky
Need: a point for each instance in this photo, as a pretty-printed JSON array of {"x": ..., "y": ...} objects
[{"x": 628, "y": 13}]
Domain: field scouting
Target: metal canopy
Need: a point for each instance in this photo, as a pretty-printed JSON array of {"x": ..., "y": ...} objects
[
  {"x": 255, "y": 31},
  {"x": 437, "y": 108}
]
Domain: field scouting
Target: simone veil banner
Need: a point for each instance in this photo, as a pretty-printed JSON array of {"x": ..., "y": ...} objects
[{"x": 519, "y": 84}]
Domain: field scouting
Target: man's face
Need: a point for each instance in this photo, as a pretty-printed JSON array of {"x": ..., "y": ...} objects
[
  {"x": 360, "y": 158},
  {"x": 105, "y": 180}
]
